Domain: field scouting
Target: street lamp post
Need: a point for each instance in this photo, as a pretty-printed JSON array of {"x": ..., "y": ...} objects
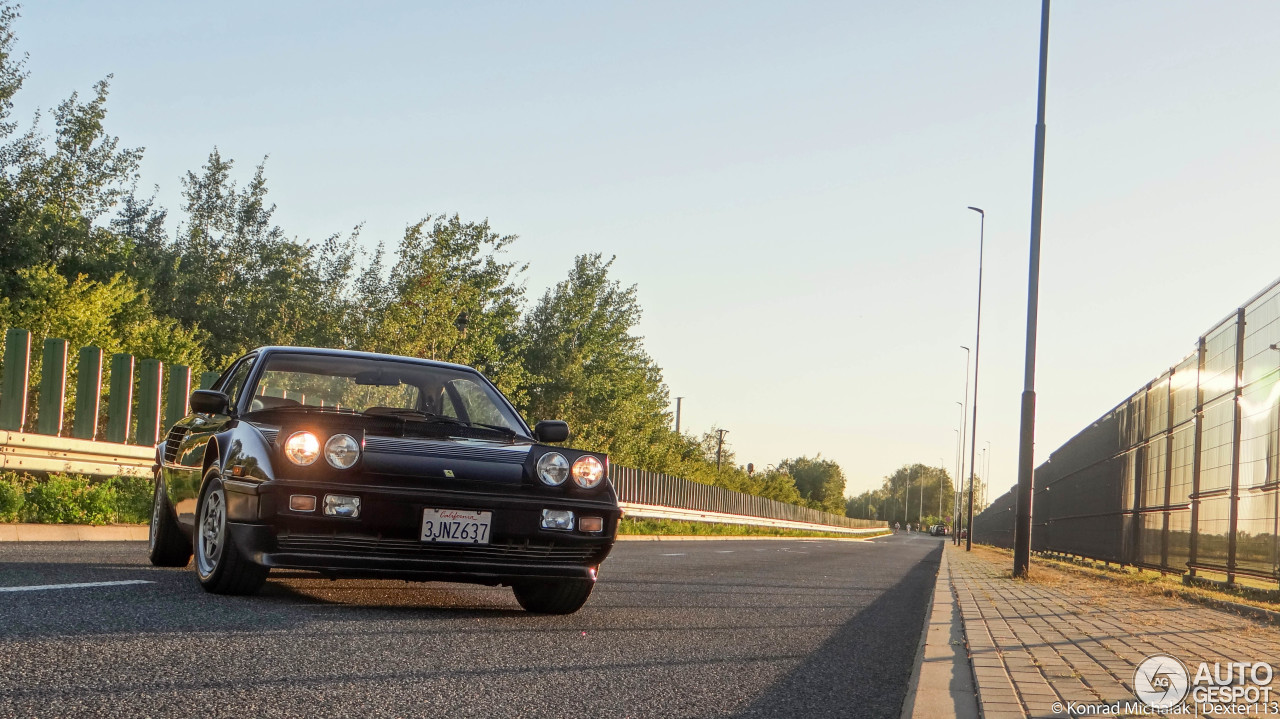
[
  {"x": 1027, "y": 430},
  {"x": 920, "y": 512},
  {"x": 977, "y": 349},
  {"x": 906, "y": 500},
  {"x": 955, "y": 498},
  {"x": 964, "y": 428}
]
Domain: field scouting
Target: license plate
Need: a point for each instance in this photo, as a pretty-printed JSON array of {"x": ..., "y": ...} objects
[{"x": 456, "y": 526}]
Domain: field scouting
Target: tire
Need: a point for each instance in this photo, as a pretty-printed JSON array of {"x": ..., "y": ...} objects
[
  {"x": 553, "y": 596},
  {"x": 220, "y": 565},
  {"x": 167, "y": 546}
]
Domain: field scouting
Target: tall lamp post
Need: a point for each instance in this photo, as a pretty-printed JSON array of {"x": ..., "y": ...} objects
[
  {"x": 977, "y": 349},
  {"x": 955, "y": 496},
  {"x": 964, "y": 426},
  {"x": 1027, "y": 430}
]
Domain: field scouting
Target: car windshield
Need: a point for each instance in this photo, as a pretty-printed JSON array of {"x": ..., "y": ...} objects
[{"x": 383, "y": 387}]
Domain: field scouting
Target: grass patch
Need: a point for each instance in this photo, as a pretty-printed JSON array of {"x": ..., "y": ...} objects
[
  {"x": 1054, "y": 570},
  {"x": 74, "y": 499},
  {"x": 671, "y": 527}
]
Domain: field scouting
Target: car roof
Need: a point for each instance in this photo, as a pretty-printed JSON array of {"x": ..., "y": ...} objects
[{"x": 363, "y": 355}]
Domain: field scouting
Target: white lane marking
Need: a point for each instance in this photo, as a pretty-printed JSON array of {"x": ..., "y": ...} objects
[
  {"x": 81, "y": 585},
  {"x": 724, "y": 551},
  {"x": 677, "y": 554}
]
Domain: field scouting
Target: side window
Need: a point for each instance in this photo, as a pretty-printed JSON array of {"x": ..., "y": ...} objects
[{"x": 234, "y": 386}]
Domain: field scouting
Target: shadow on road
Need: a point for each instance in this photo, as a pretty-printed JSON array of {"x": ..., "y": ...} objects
[{"x": 870, "y": 657}]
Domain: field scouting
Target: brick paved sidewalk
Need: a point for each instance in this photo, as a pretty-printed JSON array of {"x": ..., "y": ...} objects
[{"x": 1067, "y": 638}]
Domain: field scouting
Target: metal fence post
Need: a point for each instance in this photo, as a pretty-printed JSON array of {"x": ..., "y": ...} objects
[
  {"x": 120, "y": 402},
  {"x": 149, "y": 374},
  {"x": 13, "y": 387},
  {"x": 176, "y": 395},
  {"x": 88, "y": 393},
  {"x": 1198, "y": 418},
  {"x": 53, "y": 386},
  {"x": 1235, "y": 450}
]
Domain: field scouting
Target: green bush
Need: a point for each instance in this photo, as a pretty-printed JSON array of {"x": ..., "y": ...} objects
[
  {"x": 74, "y": 499},
  {"x": 12, "y": 497},
  {"x": 70, "y": 499},
  {"x": 133, "y": 498}
]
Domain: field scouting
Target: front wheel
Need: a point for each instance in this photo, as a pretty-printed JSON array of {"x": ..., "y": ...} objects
[
  {"x": 553, "y": 596},
  {"x": 220, "y": 565}
]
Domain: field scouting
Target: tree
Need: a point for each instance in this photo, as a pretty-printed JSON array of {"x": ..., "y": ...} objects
[
  {"x": 588, "y": 368},
  {"x": 819, "y": 481},
  {"x": 237, "y": 276},
  {"x": 448, "y": 297},
  {"x": 892, "y": 502}
]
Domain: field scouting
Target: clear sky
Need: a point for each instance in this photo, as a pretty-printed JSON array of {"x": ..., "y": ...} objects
[{"x": 785, "y": 182}]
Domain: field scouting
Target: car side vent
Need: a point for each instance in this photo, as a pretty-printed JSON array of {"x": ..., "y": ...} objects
[{"x": 171, "y": 444}]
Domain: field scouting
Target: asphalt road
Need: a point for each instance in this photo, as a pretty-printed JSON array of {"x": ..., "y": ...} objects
[{"x": 743, "y": 628}]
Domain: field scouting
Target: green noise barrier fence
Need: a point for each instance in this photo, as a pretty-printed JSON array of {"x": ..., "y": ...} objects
[{"x": 142, "y": 396}]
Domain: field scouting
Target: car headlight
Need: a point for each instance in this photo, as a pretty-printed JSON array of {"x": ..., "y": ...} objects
[
  {"x": 342, "y": 451},
  {"x": 553, "y": 469},
  {"x": 302, "y": 448},
  {"x": 588, "y": 472}
]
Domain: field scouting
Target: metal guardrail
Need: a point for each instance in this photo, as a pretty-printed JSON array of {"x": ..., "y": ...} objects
[
  {"x": 648, "y": 488},
  {"x": 23, "y": 452},
  {"x": 641, "y": 494}
]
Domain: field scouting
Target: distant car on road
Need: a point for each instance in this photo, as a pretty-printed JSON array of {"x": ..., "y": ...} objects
[
  {"x": 939, "y": 530},
  {"x": 366, "y": 465}
]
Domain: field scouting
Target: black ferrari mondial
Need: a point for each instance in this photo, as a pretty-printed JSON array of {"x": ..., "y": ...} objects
[{"x": 365, "y": 465}]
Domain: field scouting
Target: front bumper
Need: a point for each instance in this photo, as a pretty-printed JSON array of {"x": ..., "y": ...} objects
[{"x": 384, "y": 541}]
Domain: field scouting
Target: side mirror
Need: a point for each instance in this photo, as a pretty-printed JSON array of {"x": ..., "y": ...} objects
[
  {"x": 551, "y": 430},
  {"x": 207, "y": 401}
]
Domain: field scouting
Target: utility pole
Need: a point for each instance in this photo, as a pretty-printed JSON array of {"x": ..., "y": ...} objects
[
  {"x": 678, "y": 399},
  {"x": 1027, "y": 431},
  {"x": 719, "y": 446}
]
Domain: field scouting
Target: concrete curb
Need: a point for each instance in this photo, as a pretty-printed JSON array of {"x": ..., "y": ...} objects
[
  {"x": 941, "y": 684},
  {"x": 731, "y": 538},
  {"x": 72, "y": 533}
]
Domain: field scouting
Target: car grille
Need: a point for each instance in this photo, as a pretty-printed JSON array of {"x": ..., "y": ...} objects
[{"x": 508, "y": 552}]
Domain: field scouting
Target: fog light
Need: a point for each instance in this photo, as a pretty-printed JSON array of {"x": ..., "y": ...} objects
[
  {"x": 591, "y": 524},
  {"x": 557, "y": 519},
  {"x": 337, "y": 505},
  {"x": 302, "y": 503}
]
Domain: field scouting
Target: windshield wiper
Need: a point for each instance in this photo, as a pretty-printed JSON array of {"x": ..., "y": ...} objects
[
  {"x": 414, "y": 415},
  {"x": 306, "y": 408}
]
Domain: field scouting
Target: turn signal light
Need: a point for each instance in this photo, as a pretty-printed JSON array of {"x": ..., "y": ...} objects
[
  {"x": 302, "y": 503},
  {"x": 591, "y": 524}
]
